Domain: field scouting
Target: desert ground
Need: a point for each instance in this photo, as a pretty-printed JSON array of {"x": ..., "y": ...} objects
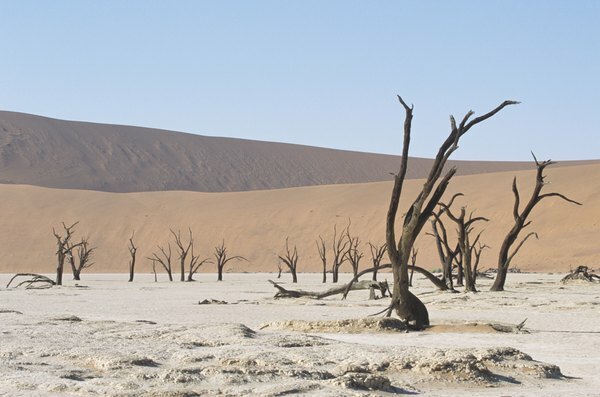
[{"x": 105, "y": 336}]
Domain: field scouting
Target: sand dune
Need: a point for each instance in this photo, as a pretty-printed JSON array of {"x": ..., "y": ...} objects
[
  {"x": 54, "y": 153},
  {"x": 255, "y": 224}
]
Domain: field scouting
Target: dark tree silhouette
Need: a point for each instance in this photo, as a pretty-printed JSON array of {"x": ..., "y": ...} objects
[
  {"x": 505, "y": 256},
  {"x": 64, "y": 249},
  {"x": 377, "y": 253},
  {"x": 406, "y": 305},
  {"x": 340, "y": 245},
  {"x": 164, "y": 260},
  {"x": 83, "y": 260},
  {"x": 323, "y": 255},
  {"x": 132, "y": 252},
  {"x": 222, "y": 259},
  {"x": 290, "y": 259}
]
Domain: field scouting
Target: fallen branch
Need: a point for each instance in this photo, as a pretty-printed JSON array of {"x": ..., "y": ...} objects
[
  {"x": 581, "y": 273},
  {"x": 43, "y": 281},
  {"x": 365, "y": 284},
  {"x": 440, "y": 284}
]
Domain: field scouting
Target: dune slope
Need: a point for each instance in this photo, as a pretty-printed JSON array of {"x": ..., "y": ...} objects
[
  {"x": 255, "y": 224},
  {"x": 54, "y": 153}
]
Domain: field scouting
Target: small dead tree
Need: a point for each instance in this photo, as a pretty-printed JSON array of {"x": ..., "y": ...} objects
[
  {"x": 505, "y": 256},
  {"x": 132, "y": 252},
  {"x": 164, "y": 260},
  {"x": 477, "y": 255},
  {"x": 353, "y": 254},
  {"x": 64, "y": 248},
  {"x": 222, "y": 259},
  {"x": 322, "y": 254},
  {"x": 195, "y": 264},
  {"x": 464, "y": 228},
  {"x": 407, "y": 306},
  {"x": 290, "y": 259},
  {"x": 340, "y": 245},
  {"x": 377, "y": 253},
  {"x": 183, "y": 250},
  {"x": 83, "y": 260},
  {"x": 446, "y": 253},
  {"x": 153, "y": 261}
]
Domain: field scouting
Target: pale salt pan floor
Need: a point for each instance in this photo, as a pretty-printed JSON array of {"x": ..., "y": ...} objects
[{"x": 225, "y": 349}]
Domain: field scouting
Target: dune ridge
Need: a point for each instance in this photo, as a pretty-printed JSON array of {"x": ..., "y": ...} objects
[{"x": 47, "y": 152}]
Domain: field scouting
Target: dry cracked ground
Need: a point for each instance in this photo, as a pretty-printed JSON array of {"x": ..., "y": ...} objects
[{"x": 89, "y": 355}]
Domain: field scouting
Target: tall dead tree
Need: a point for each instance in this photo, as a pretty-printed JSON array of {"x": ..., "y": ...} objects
[
  {"x": 290, "y": 259},
  {"x": 222, "y": 259},
  {"x": 464, "y": 227},
  {"x": 353, "y": 254},
  {"x": 164, "y": 260},
  {"x": 132, "y": 252},
  {"x": 64, "y": 248},
  {"x": 183, "y": 250},
  {"x": 505, "y": 256},
  {"x": 377, "y": 253},
  {"x": 83, "y": 260},
  {"x": 340, "y": 245},
  {"x": 408, "y": 306},
  {"x": 323, "y": 255}
]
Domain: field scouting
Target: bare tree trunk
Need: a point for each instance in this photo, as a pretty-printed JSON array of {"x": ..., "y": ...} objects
[
  {"x": 222, "y": 259},
  {"x": 407, "y": 306},
  {"x": 132, "y": 252},
  {"x": 340, "y": 245},
  {"x": 377, "y": 253},
  {"x": 64, "y": 249},
  {"x": 290, "y": 259},
  {"x": 323, "y": 255},
  {"x": 505, "y": 255}
]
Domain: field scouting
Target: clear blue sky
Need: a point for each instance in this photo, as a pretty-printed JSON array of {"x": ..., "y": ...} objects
[{"x": 321, "y": 73}]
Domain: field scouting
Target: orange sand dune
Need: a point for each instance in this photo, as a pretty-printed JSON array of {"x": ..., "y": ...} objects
[{"x": 254, "y": 224}]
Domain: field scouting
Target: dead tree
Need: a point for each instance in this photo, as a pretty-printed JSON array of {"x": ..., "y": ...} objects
[
  {"x": 153, "y": 261},
  {"x": 64, "y": 249},
  {"x": 377, "y": 253},
  {"x": 505, "y": 256},
  {"x": 35, "y": 281},
  {"x": 132, "y": 252},
  {"x": 279, "y": 269},
  {"x": 222, "y": 259},
  {"x": 477, "y": 254},
  {"x": 183, "y": 250},
  {"x": 353, "y": 254},
  {"x": 446, "y": 253},
  {"x": 407, "y": 306},
  {"x": 83, "y": 260},
  {"x": 290, "y": 258},
  {"x": 323, "y": 255},
  {"x": 164, "y": 260},
  {"x": 340, "y": 245},
  {"x": 195, "y": 264},
  {"x": 464, "y": 228}
]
